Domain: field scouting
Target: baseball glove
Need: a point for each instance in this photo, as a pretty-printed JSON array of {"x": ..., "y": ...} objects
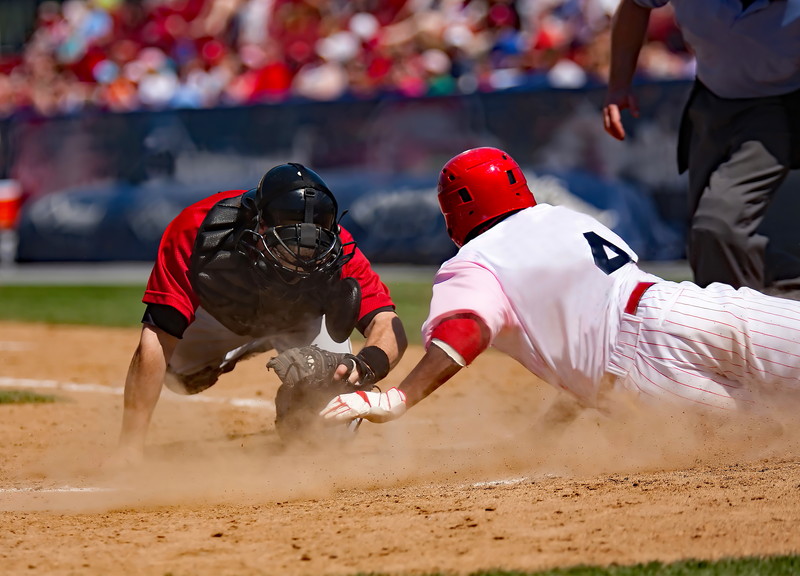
[{"x": 307, "y": 385}]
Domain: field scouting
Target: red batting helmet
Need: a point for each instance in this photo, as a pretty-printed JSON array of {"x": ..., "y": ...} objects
[{"x": 476, "y": 187}]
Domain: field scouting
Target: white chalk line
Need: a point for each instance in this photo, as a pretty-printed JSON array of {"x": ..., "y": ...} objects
[
  {"x": 95, "y": 489},
  {"x": 58, "y": 490},
  {"x": 99, "y": 489},
  {"x": 6, "y": 346},
  {"x": 515, "y": 481},
  {"x": 507, "y": 482},
  {"x": 117, "y": 391}
]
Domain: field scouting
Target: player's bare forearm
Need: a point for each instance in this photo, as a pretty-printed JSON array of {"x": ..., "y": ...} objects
[
  {"x": 434, "y": 369},
  {"x": 143, "y": 385},
  {"x": 387, "y": 333}
]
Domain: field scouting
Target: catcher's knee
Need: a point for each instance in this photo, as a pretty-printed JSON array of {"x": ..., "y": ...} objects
[{"x": 188, "y": 384}]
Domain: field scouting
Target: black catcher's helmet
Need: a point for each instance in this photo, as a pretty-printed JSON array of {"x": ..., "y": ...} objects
[{"x": 296, "y": 230}]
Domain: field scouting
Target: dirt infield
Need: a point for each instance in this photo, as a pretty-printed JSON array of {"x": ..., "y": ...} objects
[{"x": 465, "y": 481}]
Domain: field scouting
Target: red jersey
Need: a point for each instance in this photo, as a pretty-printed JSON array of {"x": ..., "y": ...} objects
[{"x": 169, "y": 283}]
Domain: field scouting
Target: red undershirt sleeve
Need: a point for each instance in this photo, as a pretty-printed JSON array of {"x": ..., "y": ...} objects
[{"x": 463, "y": 333}]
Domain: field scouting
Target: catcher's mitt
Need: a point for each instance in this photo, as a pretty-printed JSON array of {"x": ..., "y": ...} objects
[{"x": 307, "y": 386}]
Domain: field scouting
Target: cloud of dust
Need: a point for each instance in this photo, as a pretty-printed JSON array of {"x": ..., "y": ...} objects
[{"x": 463, "y": 433}]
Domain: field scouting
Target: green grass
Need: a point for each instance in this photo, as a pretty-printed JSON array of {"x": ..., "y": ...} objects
[
  {"x": 24, "y": 397},
  {"x": 122, "y": 305},
  {"x": 412, "y": 300},
  {"x": 768, "y": 566},
  {"x": 88, "y": 305}
]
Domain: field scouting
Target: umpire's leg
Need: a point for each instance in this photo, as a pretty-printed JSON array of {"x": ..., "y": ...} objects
[{"x": 738, "y": 157}]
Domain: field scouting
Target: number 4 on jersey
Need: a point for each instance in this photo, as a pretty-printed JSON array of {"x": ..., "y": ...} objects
[{"x": 608, "y": 257}]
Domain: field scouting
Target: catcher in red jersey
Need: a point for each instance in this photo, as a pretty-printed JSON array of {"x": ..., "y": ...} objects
[
  {"x": 243, "y": 272},
  {"x": 563, "y": 295}
]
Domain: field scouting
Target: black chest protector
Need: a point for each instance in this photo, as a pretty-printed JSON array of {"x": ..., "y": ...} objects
[{"x": 250, "y": 299}]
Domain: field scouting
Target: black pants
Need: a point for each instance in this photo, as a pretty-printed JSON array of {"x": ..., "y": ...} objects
[{"x": 738, "y": 153}]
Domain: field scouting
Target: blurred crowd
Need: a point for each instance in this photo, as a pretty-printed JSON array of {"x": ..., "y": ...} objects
[{"x": 127, "y": 55}]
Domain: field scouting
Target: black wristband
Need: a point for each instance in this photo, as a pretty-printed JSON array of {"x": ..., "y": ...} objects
[{"x": 376, "y": 359}]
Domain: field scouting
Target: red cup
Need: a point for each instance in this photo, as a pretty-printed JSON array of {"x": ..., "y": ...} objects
[{"x": 10, "y": 203}]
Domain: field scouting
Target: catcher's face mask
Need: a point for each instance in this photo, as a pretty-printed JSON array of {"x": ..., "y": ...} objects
[{"x": 296, "y": 231}]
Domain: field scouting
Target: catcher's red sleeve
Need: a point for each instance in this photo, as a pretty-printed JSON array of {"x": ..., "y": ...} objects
[
  {"x": 374, "y": 293},
  {"x": 169, "y": 281}
]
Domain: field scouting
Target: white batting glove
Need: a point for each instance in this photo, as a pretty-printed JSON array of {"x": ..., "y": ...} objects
[{"x": 372, "y": 406}]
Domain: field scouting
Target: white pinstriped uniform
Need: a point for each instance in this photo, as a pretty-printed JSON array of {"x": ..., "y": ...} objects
[
  {"x": 552, "y": 285},
  {"x": 716, "y": 347}
]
